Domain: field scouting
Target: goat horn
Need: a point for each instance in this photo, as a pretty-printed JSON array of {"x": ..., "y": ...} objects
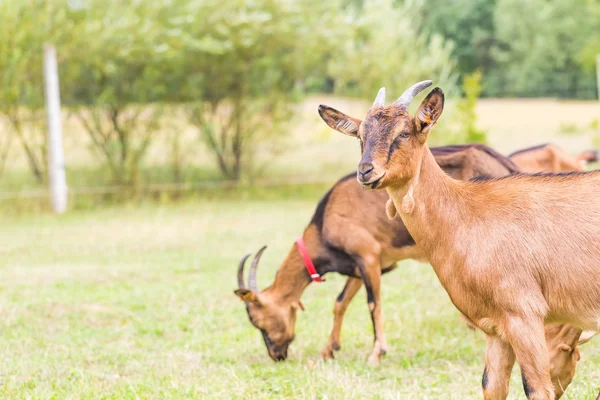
[
  {"x": 252, "y": 277},
  {"x": 380, "y": 99},
  {"x": 410, "y": 93},
  {"x": 241, "y": 272}
]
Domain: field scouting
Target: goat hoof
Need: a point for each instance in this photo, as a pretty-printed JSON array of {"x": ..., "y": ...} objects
[
  {"x": 373, "y": 360},
  {"x": 327, "y": 353}
]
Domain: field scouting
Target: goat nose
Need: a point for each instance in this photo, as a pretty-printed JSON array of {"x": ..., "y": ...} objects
[{"x": 365, "y": 169}]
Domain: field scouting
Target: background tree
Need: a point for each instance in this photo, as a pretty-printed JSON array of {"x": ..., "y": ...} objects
[
  {"x": 243, "y": 64},
  {"x": 385, "y": 48},
  {"x": 469, "y": 24},
  {"x": 22, "y": 32},
  {"x": 113, "y": 80},
  {"x": 541, "y": 44}
]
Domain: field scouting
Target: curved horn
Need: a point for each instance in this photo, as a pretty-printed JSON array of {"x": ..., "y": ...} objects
[
  {"x": 410, "y": 93},
  {"x": 380, "y": 99},
  {"x": 252, "y": 277},
  {"x": 241, "y": 272}
]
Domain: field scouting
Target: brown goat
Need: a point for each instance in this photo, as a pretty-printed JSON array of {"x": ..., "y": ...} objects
[
  {"x": 340, "y": 213},
  {"x": 550, "y": 158},
  {"x": 513, "y": 253},
  {"x": 338, "y": 239}
]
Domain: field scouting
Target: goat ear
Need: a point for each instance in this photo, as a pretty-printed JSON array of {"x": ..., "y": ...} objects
[
  {"x": 428, "y": 113},
  {"x": 586, "y": 336},
  {"x": 339, "y": 121},
  {"x": 248, "y": 296}
]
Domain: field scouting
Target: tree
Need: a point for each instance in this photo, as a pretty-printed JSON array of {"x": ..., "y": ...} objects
[
  {"x": 21, "y": 98},
  {"x": 243, "y": 65},
  {"x": 469, "y": 24},
  {"x": 113, "y": 81},
  {"x": 541, "y": 42},
  {"x": 591, "y": 49},
  {"x": 384, "y": 48}
]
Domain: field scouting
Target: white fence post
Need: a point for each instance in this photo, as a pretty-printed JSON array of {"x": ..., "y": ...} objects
[{"x": 56, "y": 165}]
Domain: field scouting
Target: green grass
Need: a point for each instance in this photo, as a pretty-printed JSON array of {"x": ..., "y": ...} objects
[{"x": 136, "y": 302}]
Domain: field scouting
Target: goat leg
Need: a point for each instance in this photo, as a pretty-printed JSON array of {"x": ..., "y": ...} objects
[
  {"x": 499, "y": 362},
  {"x": 371, "y": 272},
  {"x": 527, "y": 338},
  {"x": 341, "y": 304}
]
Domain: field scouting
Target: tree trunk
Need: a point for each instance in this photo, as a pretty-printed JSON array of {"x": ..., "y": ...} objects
[
  {"x": 34, "y": 164},
  {"x": 236, "y": 145}
]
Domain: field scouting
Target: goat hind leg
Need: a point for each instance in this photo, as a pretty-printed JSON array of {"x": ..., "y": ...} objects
[
  {"x": 372, "y": 278},
  {"x": 341, "y": 304},
  {"x": 528, "y": 341},
  {"x": 499, "y": 362}
]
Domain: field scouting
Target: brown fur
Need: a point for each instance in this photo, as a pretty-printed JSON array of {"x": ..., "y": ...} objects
[
  {"x": 344, "y": 210},
  {"x": 550, "y": 158},
  {"x": 513, "y": 253}
]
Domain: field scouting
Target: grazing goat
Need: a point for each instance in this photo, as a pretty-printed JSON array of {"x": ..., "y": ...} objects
[
  {"x": 513, "y": 253},
  {"x": 550, "y": 158}
]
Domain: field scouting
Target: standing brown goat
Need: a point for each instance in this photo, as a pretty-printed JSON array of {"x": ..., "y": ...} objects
[{"x": 513, "y": 253}]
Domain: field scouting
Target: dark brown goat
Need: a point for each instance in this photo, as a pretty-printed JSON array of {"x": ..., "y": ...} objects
[
  {"x": 513, "y": 253},
  {"x": 332, "y": 243}
]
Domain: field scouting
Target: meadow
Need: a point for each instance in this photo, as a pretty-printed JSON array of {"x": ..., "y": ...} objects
[{"x": 136, "y": 301}]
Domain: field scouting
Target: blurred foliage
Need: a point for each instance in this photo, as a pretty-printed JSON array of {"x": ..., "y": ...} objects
[
  {"x": 113, "y": 68},
  {"x": 244, "y": 65},
  {"x": 538, "y": 48},
  {"x": 591, "y": 47},
  {"x": 234, "y": 68},
  {"x": 466, "y": 115},
  {"x": 385, "y": 49},
  {"x": 22, "y": 32},
  {"x": 469, "y": 24},
  {"x": 543, "y": 40}
]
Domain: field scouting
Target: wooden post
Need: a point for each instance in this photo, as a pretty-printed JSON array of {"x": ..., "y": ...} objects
[{"x": 56, "y": 165}]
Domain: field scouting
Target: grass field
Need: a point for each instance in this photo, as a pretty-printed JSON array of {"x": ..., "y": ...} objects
[{"x": 137, "y": 302}]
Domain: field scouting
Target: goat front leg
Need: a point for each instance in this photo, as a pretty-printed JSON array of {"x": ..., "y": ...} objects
[
  {"x": 341, "y": 304},
  {"x": 371, "y": 273},
  {"x": 499, "y": 362},
  {"x": 527, "y": 338}
]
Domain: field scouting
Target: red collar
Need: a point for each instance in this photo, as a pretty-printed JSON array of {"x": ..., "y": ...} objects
[{"x": 310, "y": 267}]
